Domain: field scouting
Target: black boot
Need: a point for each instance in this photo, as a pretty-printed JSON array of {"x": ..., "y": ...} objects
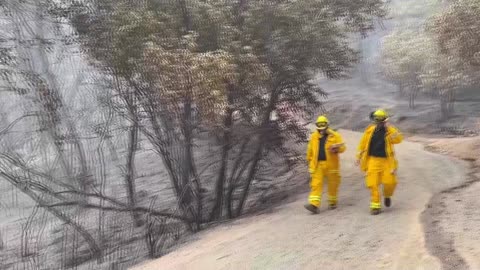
[
  {"x": 375, "y": 211},
  {"x": 332, "y": 206},
  {"x": 388, "y": 202},
  {"x": 311, "y": 208}
]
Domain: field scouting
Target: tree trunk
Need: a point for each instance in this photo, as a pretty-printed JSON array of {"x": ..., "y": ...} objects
[
  {"x": 161, "y": 140},
  {"x": 130, "y": 169},
  {"x": 264, "y": 132},
  {"x": 451, "y": 102},
  {"x": 160, "y": 143},
  {"x": 401, "y": 90},
  {"x": 190, "y": 194},
  {"x": 411, "y": 98},
  {"x": 237, "y": 170},
  {"x": 84, "y": 177},
  {"x": 220, "y": 197},
  {"x": 444, "y": 107},
  {"x": 187, "y": 127},
  {"x": 226, "y": 144}
]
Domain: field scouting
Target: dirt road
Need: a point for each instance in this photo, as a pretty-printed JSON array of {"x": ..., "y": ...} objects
[{"x": 345, "y": 238}]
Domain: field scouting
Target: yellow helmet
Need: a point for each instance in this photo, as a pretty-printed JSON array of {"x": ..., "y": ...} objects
[
  {"x": 322, "y": 122},
  {"x": 379, "y": 115}
]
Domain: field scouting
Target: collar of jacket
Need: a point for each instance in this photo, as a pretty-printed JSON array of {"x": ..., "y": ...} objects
[
  {"x": 372, "y": 127},
  {"x": 330, "y": 132}
]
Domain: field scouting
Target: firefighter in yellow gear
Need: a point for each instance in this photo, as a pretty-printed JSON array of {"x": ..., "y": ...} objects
[
  {"x": 376, "y": 157},
  {"x": 323, "y": 151}
]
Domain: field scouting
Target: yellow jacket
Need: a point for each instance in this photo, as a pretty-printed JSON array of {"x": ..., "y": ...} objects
[
  {"x": 333, "y": 161},
  {"x": 393, "y": 136}
]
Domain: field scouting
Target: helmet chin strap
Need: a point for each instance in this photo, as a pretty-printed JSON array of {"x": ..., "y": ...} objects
[{"x": 322, "y": 130}]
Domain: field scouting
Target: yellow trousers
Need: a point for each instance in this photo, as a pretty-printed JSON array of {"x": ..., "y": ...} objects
[
  {"x": 316, "y": 184},
  {"x": 379, "y": 173}
]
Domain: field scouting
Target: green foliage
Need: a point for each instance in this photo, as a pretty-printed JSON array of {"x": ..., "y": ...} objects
[
  {"x": 218, "y": 90},
  {"x": 457, "y": 31},
  {"x": 415, "y": 61},
  {"x": 403, "y": 57},
  {"x": 251, "y": 59},
  {"x": 411, "y": 14},
  {"x": 442, "y": 73},
  {"x": 181, "y": 72},
  {"x": 440, "y": 59}
]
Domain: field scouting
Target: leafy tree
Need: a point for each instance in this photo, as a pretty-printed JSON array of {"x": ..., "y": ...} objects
[
  {"x": 194, "y": 65},
  {"x": 455, "y": 57},
  {"x": 457, "y": 31},
  {"x": 444, "y": 76},
  {"x": 411, "y": 14},
  {"x": 218, "y": 88},
  {"x": 414, "y": 62},
  {"x": 402, "y": 61}
]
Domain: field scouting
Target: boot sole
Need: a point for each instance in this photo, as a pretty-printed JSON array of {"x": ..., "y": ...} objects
[{"x": 311, "y": 210}]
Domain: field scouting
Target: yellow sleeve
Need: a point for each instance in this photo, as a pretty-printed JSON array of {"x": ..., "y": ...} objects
[
  {"x": 309, "y": 149},
  {"x": 362, "y": 145},
  {"x": 343, "y": 147},
  {"x": 395, "y": 136}
]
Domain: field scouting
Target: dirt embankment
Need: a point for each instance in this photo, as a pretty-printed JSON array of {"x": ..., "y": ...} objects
[
  {"x": 349, "y": 238},
  {"x": 452, "y": 218}
]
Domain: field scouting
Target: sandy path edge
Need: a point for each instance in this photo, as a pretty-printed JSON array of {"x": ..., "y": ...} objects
[{"x": 439, "y": 241}]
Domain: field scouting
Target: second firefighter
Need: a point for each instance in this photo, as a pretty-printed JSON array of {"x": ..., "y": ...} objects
[{"x": 376, "y": 156}]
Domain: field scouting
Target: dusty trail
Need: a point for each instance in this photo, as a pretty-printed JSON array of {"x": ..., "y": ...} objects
[{"x": 346, "y": 238}]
